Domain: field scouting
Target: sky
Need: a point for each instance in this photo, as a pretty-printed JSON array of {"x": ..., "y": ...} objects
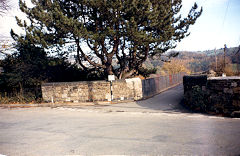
[{"x": 219, "y": 24}]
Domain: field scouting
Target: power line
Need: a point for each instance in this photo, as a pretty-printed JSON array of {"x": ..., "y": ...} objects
[
  {"x": 226, "y": 13},
  {"x": 225, "y": 47}
]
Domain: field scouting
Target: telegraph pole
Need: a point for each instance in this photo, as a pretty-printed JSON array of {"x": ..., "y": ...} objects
[
  {"x": 215, "y": 59},
  {"x": 224, "y": 57}
]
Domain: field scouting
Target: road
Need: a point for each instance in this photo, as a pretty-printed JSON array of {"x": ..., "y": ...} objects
[
  {"x": 157, "y": 126},
  {"x": 169, "y": 101}
]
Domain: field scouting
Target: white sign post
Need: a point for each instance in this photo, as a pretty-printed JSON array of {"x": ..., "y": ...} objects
[{"x": 111, "y": 78}]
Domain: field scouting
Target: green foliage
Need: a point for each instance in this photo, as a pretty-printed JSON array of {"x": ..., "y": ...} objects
[
  {"x": 197, "y": 99},
  {"x": 27, "y": 97},
  {"x": 26, "y": 69},
  {"x": 200, "y": 65},
  {"x": 25, "y": 66},
  {"x": 127, "y": 30},
  {"x": 146, "y": 72}
]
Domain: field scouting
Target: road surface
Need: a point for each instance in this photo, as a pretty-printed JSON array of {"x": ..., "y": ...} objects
[{"x": 157, "y": 126}]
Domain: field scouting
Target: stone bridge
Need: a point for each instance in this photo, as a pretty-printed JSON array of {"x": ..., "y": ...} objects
[{"x": 119, "y": 90}]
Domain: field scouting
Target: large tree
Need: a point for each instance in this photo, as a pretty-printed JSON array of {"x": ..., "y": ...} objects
[{"x": 102, "y": 31}]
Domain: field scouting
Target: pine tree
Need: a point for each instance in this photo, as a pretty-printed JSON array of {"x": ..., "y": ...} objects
[{"x": 128, "y": 31}]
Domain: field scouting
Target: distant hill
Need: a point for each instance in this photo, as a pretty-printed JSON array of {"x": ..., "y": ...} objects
[
  {"x": 195, "y": 61},
  {"x": 233, "y": 53},
  {"x": 199, "y": 61}
]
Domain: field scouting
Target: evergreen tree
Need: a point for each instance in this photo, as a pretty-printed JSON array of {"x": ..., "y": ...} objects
[
  {"x": 126, "y": 30},
  {"x": 24, "y": 71},
  {"x": 29, "y": 66}
]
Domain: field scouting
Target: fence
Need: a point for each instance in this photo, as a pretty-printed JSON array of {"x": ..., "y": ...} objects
[{"x": 153, "y": 86}]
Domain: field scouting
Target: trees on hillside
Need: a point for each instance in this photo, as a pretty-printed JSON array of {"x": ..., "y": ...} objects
[
  {"x": 220, "y": 68},
  {"x": 175, "y": 66},
  {"x": 101, "y": 31}
]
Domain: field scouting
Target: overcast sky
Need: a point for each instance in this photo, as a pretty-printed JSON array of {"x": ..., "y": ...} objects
[{"x": 218, "y": 25}]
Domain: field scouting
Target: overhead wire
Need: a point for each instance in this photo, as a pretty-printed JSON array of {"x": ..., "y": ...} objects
[
  {"x": 225, "y": 13},
  {"x": 224, "y": 18}
]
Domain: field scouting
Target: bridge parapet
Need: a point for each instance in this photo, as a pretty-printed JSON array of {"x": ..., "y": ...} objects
[
  {"x": 122, "y": 90},
  {"x": 220, "y": 95}
]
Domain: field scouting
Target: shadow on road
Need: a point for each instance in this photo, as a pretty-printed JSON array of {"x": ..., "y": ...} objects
[{"x": 170, "y": 101}]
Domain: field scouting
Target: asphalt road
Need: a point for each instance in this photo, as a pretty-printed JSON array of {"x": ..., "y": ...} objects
[
  {"x": 169, "y": 101},
  {"x": 139, "y": 130}
]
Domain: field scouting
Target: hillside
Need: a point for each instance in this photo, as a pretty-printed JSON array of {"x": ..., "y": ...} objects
[{"x": 199, "y": 61}]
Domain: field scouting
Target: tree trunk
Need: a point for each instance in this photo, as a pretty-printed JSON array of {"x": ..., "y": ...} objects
[
  {"x": 125, "y": 75},
  {"x": 109, "y": 69}
]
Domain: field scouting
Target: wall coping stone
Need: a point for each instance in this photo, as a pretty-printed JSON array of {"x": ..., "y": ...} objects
[
  {"x": 73, "y": 83},
  {"x": 225, "y": 78},
  {"x": 195, "y": 80}
]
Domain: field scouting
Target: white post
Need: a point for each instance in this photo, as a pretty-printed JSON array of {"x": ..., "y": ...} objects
[
  {"x": 111, "y": 78},
  {"x": 111, "y": 89},
  {"x": 52, "y": 99}
]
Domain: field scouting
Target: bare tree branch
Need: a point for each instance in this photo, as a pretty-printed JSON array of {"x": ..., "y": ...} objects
[
  {"x": 86, "y": 57},
  {"x": 4, "y": 7}
]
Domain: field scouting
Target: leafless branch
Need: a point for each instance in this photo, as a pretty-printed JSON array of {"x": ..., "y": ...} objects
[{"x": 4, "y": 6}]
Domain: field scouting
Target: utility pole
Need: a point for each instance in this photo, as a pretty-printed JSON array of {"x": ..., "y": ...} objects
[
  {"x": 238, "y": 51},
  {"x": 215, "y": 59},
  {"x": 224, "y": 57}
]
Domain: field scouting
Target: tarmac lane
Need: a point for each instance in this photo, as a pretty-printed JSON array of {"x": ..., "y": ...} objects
[
  {"x": 46, "y": 131},
  {"x": 156, "y": 126}
]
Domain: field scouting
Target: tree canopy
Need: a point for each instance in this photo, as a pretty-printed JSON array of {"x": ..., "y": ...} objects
[
  {"x": 104, "y": 32},
  {"x": 29, "y": 66}
]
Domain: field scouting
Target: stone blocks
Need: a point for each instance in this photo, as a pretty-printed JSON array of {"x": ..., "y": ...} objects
[
  {"x": 76, "y": 91},
  {"x": 222, "y": 95}
]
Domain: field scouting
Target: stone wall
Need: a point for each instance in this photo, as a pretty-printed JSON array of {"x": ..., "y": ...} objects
[
  {"x": 76, "y": 91},
  {"x": 194, "y": 80},
  {"x": 90, "y": 91},
  {"x": 128, "y": 89},
  {"x": 224, "y": 94},
  {"x": 220, "y": 95}
]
